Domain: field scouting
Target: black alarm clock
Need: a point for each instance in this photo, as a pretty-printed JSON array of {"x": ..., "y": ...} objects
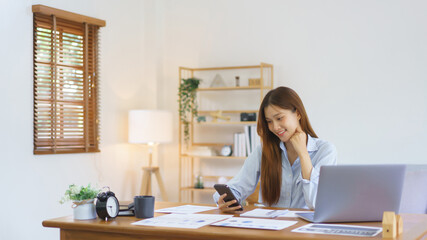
[{"x": 107, "y": 205}]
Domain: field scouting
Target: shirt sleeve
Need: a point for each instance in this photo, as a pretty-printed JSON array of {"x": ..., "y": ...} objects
[
  {"x": 325, "y": 155},
  {"x": 244, "y": 183}
]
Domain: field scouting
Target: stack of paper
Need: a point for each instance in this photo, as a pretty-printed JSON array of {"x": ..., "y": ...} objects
[
  {"x": 256, "y": 223},
  {"x": 264, "y": 213},
  {"x": 337, "y": 229},
  {"x": 185, "y": 209},
  {"x": 182, "y": 220},
  {"x": 292, "y": 214}
]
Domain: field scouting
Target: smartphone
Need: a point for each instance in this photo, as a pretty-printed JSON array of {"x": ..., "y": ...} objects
[{"x": 223, "y": 188}]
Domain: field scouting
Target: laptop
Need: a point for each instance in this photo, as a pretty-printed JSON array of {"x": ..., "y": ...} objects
[{"x": 357, "y": 193}]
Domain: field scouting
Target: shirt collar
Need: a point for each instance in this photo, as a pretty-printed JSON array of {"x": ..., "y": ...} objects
[{"x": 311, "y": 145}]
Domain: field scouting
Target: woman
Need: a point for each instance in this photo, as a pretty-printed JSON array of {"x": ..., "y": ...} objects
[{"x": 288, "y": 161}]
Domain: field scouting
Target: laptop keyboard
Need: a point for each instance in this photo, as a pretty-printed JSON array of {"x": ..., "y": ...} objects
[{"x": 308, "y": 215}]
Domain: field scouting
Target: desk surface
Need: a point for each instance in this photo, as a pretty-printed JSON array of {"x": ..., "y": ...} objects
[{"x": 415, "y": 226}]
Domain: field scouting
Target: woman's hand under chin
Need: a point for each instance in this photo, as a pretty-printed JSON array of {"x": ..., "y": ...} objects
[{"x": 299, "y": 141}]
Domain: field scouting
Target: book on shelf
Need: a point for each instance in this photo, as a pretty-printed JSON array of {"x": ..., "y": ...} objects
[
  {"x": 246, "y": 142},
  {"x": 236, "y": 145},
  {"x": 253, "y": 136},
  {"x": 248, "y": 139},
  {"x": 242, "y": 145},
  {"x": 239, "y": 145}
]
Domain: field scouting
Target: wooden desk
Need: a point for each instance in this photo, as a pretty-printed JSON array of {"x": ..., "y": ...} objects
[{"x": 415, "y": 227}]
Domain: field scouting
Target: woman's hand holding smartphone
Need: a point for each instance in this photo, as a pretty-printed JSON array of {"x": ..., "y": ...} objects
[{"x": 227, "y": 202}]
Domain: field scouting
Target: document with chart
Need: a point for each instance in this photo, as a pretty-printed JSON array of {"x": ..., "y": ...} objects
[
  {"x": 186, "y": 209},
  {"x": 335, "y": 229},
  {"x": 264, "y": 213},
  {"x": 257, "y": 223},
  {"x": 182, "y": 220}
]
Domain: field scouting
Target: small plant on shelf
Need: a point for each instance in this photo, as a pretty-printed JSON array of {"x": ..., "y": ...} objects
[{"x": 187, "y": 103}]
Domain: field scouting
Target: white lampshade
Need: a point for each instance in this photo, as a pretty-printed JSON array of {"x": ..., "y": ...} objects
[{"x": 150, "y": 126}]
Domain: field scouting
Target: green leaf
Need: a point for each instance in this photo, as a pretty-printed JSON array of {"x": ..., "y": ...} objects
[
  {"x": 187, "y": 96},
  {"x": 84, "y": 193}
]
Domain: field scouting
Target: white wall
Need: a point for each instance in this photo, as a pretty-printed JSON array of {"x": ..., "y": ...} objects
[
  {"x": 31, "y": 184},
  {"x": 359, "y": 66}
]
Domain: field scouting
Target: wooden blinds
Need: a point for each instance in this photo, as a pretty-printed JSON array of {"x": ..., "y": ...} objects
[{"x": 65, "y": 85}]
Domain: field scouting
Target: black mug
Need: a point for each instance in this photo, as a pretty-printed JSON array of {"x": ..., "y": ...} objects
[{"x": 144, "y": 206}]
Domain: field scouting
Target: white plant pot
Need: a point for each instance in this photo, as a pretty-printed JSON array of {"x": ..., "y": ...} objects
[{"x": 84, "y": 211}]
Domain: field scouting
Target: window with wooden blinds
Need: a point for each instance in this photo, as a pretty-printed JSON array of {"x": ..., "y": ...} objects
[{"x": 65, "y": 83}]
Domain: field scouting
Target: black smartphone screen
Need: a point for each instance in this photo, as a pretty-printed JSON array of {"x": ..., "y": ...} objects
[{"x": 223, "y": 188}]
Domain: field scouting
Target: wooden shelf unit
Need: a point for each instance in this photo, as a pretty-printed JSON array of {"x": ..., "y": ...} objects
[
  {"x": 225, "y": 123},
  {"x": 229, "y": 111},
  {"x": 230, "y": 88},
  {"x": 213, "y": 157},
  {"x": 187, "y": 161}
]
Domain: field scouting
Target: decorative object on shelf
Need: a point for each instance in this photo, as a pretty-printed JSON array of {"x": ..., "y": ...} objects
[
  {"x": 218, "y": 114},
  {"x": 82, "y": 197},
  {"x": 253, "y": 82},
  {"x": 237, "y": 81},
  {"x": 150, "y": 127},
  {"x": 248, "y": 117},
  {"x": 199, "y": 182},
  {"x": 217, "y": 81},
  {"x": 201, "y": 119},
  {"x": 187, "y": 103},
  {"x": 201, "y": 151},
  {"x": 226, "y": 150},
  {"x": 107, "y": 205}
]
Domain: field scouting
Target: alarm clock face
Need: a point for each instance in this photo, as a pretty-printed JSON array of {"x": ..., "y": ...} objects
[
  {"x": 226, "y": 150},
  {"x": 112, "y": 206}
]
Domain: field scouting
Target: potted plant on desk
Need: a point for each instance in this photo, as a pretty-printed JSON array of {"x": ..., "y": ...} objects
[{"x": 83, "y": 201}]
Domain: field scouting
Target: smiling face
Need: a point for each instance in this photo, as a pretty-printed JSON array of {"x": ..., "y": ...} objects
[{"x": 281, "y": 122}]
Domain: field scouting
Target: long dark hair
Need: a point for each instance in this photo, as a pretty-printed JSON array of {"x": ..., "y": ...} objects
[{"x": 271, "y": 162}]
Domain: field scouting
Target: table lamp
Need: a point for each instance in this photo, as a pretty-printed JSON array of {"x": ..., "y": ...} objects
[{"x": 150, "y": 127}]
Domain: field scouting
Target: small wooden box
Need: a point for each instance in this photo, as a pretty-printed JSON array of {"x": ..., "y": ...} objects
[
  {"x": 389, "y": 225},
  {"x": 254, "y": 82},
  {"x": 399, "y": 223}
]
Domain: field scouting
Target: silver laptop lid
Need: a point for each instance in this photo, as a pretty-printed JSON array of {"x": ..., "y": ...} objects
[{"x": 355, "y": 193}]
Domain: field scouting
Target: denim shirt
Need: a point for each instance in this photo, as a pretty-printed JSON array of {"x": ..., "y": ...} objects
[{"x": 295, "y": 191}]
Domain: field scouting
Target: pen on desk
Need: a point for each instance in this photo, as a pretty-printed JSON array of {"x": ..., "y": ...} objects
[{"x": 271, "y": 212}]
